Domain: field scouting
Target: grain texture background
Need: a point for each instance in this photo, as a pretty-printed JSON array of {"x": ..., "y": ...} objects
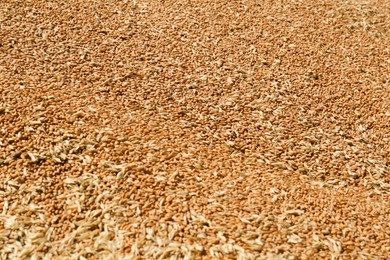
[{"x": 194, "y": 129}]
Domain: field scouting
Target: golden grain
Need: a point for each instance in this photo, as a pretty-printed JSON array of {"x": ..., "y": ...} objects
[{"x": 194, "y": 129}]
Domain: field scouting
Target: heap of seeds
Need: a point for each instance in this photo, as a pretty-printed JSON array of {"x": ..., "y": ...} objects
[{"x": 195, "y": 129}]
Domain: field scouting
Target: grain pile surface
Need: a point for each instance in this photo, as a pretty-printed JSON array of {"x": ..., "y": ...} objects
[{"x": 194, "y": 129}]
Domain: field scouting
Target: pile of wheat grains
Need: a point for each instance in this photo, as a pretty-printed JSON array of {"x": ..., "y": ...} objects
[{"x": 198, "y": 129}]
